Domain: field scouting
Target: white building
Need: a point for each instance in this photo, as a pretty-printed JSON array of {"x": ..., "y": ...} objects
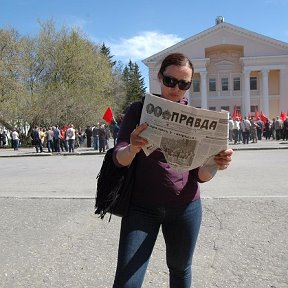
[{"x": 233, "y": 66}]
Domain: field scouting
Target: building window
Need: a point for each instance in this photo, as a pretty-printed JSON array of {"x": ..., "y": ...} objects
[
  {"x": 196, "y": 85},
  {"x": 224, "y": 83},
  {"x": 212, "y": 84},
  {"x": 253, "y": 83},
  {"x": 226, "y": 108},
  {"x": 236, "y": 83},
  {"x": 212, "y": 108}
]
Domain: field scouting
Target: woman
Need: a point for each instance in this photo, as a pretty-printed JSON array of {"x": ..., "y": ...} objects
[{"x": 162, "y": 196}]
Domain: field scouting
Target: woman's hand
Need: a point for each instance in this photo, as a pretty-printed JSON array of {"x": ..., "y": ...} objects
[
  {"x": 136, "y": 141},
  {"x": 126, "y": 154},
  {"x": 223, "y": 159},
  {"x": 220, "y": 162}
]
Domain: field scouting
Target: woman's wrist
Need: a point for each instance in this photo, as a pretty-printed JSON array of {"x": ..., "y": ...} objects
[
  {"x": 208, "y": 170},
  {"x": 132, "y": 150},
  {"x": 125, "y": 155}
]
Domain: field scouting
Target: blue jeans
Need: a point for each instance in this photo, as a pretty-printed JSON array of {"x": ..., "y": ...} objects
[
  {"x": 15, "y": 144},
  {"x": 139, "y": 230},
  {"x": 96, "y": 142},
  {"x": 71, "y": 144},
  {"x": 50, "y": 146}
]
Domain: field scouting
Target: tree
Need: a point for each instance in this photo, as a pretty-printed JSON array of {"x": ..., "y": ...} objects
[
  {"x": 61, "y": 77},
  {"x": 135, "y": 86},
  {"x": 11, "y": 89},
  {"x": 106, "y": 52},
  {"x": 56, "y": 77},
  {"x": 118, "y": 90}
]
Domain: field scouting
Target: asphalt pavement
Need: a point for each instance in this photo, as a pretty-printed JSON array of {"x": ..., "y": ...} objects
[
  {"x": 49, "y": 236},
  {"x": 30, "y": 151}
]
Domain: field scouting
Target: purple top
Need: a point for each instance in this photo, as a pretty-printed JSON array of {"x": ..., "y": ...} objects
[{"x": 156, "y": 183}]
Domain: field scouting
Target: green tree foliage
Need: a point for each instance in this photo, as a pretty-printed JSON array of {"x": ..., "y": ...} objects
[
  {"x": 61, "y": 77},
  {"x": 107, "y": 53},
  {"x": 134, "y": 82},
  {"x": 56, "y": 77},
  {"x": 11, "y": 88}
]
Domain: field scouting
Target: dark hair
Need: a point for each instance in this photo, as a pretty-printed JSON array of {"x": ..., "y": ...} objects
[{"x": 177, "y": 59}]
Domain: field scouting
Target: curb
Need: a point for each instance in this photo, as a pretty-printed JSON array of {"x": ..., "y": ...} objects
[
  {"x": 45, "y": 154},
  {"x": 243, "y": 147},
  {"x": 257, "y": 148}
]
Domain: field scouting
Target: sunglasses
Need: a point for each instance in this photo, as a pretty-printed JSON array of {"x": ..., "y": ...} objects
[{"x": 172, "y": 82}]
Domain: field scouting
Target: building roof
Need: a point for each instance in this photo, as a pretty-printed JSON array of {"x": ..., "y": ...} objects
[{"x": 221, "y": 34}]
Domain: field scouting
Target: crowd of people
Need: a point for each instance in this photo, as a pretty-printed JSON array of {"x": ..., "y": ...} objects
[
  {"x": 251, "y": 130},
  {"x": 64, "y": 139},
  {"x": 67, "y": 138}
]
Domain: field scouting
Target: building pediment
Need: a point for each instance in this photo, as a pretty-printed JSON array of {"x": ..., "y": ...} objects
[
  {"x": 253, "y": 44},
  {"x": 224, "y": 65}
]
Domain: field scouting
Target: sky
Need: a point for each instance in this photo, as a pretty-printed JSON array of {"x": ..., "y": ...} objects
[{"x": 135, "y": 30}]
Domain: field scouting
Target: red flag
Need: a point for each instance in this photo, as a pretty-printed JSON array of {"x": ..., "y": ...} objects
[
  {"x": 108, "y": 115},
  {"x": 234, "y": 113},
  {"x": 283, "y": 116},
  {"x": 238, "y": 114},
  {"x": 263, "y": 117}
]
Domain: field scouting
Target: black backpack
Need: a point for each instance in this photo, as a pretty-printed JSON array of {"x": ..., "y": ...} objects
[{"x": 114, "y": 185}]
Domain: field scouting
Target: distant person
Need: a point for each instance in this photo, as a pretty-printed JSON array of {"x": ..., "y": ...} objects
[
  {"x": 42, "y": 134},
  {"x": 285, "y": 129},
  {"x": 236, "y": 130},
  {"x": 115, "y": 131},
  {"x": 88, "y": 133},
  {"x": 37, "y": 140},
  {"x": 15, "y": 139},
  {"x": 245, "y": 126},
  {"x": 102, "y": 138},
  {"x": 49, "y": 137},
  {"x": 3, "y": 139},
  {"x": 56, "y": 138},
  {"x": 95, "y": 134},
  {"x": 260, "y": 128},
  {"x": 81, "y": 137},
  {"x": 267, "y": 127},
  {"x": 278, "y": 128},
  {"x": 253, "y": 131},
  {"x": 71, "y": 136},
  {"x": 63, "y": 141}
]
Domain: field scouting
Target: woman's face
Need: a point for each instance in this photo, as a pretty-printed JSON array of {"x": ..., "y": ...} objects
[{"x": 179, "y": 73}]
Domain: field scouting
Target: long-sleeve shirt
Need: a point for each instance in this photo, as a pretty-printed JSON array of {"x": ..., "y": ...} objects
[{"x": 156, "y": 183}]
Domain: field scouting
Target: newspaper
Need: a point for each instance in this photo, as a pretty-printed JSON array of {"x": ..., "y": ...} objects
[{"x": 187, "y": 136}]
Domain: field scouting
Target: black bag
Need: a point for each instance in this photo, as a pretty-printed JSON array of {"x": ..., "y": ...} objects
[
  {"x": 115, "y": 184},
  {"x": 114, "y": 187}
]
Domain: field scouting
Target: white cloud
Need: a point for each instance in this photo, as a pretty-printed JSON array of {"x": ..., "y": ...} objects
[{"x": 142, "y": 45}]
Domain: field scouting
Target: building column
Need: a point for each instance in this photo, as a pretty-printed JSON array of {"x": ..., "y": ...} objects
[
  {"x": 283, "y": 101},
  {"x": 246, "y": 93},
  {"x": 203, "y": 77},
  {"x": 265, "y": 92}
]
